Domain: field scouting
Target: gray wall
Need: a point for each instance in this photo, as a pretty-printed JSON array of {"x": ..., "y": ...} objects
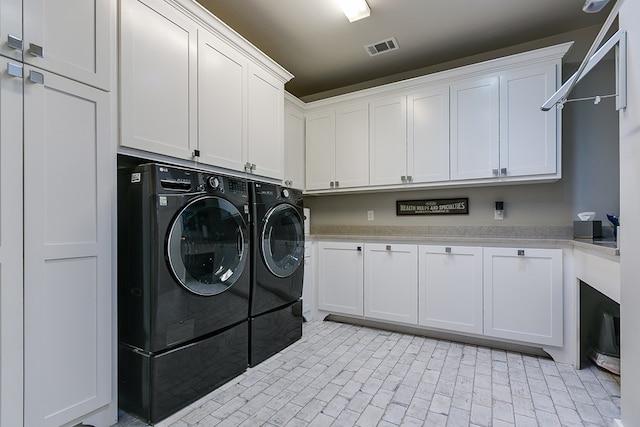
[{"x": 590, "y": 169}]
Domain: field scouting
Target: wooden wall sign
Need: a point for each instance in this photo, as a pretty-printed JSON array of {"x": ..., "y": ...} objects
[{"x": 432, "y": 207}]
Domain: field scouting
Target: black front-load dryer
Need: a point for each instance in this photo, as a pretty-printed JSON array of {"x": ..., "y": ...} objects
[
  {"x": 183, "y": 285},
  {"x": 275, "y": 316}
]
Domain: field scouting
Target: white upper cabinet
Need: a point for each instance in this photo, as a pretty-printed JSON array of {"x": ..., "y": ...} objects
[
  {"x": 221, "y": 89},
  {"x": 478, "y": 124},
  {"x": 158, "y": 75},
  {"x": 11, "y": 41},
  {"x": 293, "y": 147},
  {"x": 528, "y": 135},
  {"x": 190, "y": 93},
  {"x": 337, "y": 148},
  {"x": 265, "y": 122},
  {"x": 428, "y": 135},
  {"x": 72, "y": 38},
  {"x": 388, "y": 143},
  {"x": 320, "y": 166},
  {"x": 475, "y": 128},
  {"x": 352, "y": 146}
]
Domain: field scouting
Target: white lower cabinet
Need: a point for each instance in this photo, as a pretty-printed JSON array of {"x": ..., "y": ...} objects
[
  {"x": 391, "y": 282},
  {"x": 523, "y": 295},
  {"x": 340, "y": 279},
  {"x": 69, "y": 195},
  {"x": 450, "y": 295}
]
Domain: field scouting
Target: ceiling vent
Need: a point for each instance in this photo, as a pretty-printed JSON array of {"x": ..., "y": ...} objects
[{"x": 382, "y": 46}]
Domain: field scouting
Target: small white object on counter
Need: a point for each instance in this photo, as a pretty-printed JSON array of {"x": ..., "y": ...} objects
[{"x": 586, "y": 216}]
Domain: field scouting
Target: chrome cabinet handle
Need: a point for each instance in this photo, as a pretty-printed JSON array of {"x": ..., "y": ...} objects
[
  {"x": 359, "y": 248},
  {"x": 331, "y": 184},
  {"x": 409, "y": 178},
  {"x": 388, "y": 247},
  {"x": 503, "y": 172},
  {"x": 253, "y": 167},
  {"x": 403, "y": 179},
  {"x": 447, "y": 250},
  {"x": 14, "y": 42},
  {"x": 36, "y": 50},
  {"x": 36, "y": 77},
  {"x": 337, "y": 184},
  {"x": 520, "y": 252},
  {"x": 14, "y": 70},
  {"x": 495, "y": 172}
]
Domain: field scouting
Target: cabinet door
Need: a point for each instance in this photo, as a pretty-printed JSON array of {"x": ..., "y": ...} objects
[
  {"x": 523, "y": 295},
  {"x": 11, "y": 291},
  {"x": 158, "y": 78},
  {"x": 75, "y": 37},
  {"x": 475, "y": 129},
  {"x": 11, "y": 29},
  {"x": 308, "y": 285},
  {"x": 340, "y": 285},
  {"x": 451, "y": 288},
  {"x": 293, "y": 148},
  {"x": 428, "y": 135},
  {"x": 221, "y": 90},
  {"x": 528, "y": 143},
  {"x": 265, "y": 123},
  {"x": 388, "y": 147},
  {"x": 69, "y": 195},
  {"x": 352, "y": 146},
  {"x": 320, "y": 150},
  {"x": 391, "y": 282}
]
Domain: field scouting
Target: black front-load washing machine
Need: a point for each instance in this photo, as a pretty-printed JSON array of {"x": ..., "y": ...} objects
[
  {"x": 275, "y": 316},
  {"x": 183, "y": 286}
]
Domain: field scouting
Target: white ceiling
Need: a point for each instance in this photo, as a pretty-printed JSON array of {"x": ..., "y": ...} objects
[{"x": 313, "y": 39}]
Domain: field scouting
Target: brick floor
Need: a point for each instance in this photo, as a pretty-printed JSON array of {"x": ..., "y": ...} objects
[{"x": 347, "y": 375}]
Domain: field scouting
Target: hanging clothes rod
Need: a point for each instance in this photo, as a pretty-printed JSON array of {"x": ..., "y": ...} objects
[
  {"x": 596, "y": 99},
  {"x": 593, "y": 56}
]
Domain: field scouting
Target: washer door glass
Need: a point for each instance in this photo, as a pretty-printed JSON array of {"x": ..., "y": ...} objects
[
  {"x": 282, "y": 240},
  {"x": 207, "y": 246}
]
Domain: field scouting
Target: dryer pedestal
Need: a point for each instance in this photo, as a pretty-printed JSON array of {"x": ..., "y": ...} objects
[
  {"x": 154, "y": 386},
  {"x": 271, "y": 332}
]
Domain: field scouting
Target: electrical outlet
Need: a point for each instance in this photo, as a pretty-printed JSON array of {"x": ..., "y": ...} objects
[{"x": 370, "y": 215}]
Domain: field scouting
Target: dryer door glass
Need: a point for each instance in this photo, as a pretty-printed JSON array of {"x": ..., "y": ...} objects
[
  {"x": 282, "y": 240},
  {"x": 207, "y": 246}
]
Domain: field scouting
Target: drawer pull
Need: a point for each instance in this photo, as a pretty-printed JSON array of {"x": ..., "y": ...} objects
[
  {"x": 520, "y": 252},
  {"x": 388, "y": 247},
  {"x": 447, "y": 250}
]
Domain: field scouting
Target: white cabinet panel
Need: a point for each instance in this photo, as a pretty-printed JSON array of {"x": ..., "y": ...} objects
[
  {"x": 78, "y": 48},
  {"x": 352, "y": 146},
  {"x": 158, "y": 79},
  {"x": 428, "y": 135},
  {"x": 68, "y": 230},
  {"x": 528, "y": 143},
  {"x": 10, "y": 28},
  {"x": 11, "y": 254},
  {"x": 523, "y": 295},
  {"x": 451, "y": 288},
  {"x": 221, "y": 90},
  {"x": 388, "y": 143},
  {"x": 294, "y": 147},
  {"x": 308, "y": 285},
  {"x": 337, "y": 148},
  {"x": 265, "y": 123},
  {"x": 475, "y": 131},
  {"x": 391, "y": 282},
  {"x": 340, "y": 277},
  {"x": 320, "y": 149}
]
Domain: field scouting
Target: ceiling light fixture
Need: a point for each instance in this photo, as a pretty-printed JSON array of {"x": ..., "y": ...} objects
[{"x": 355, "y": 9}]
